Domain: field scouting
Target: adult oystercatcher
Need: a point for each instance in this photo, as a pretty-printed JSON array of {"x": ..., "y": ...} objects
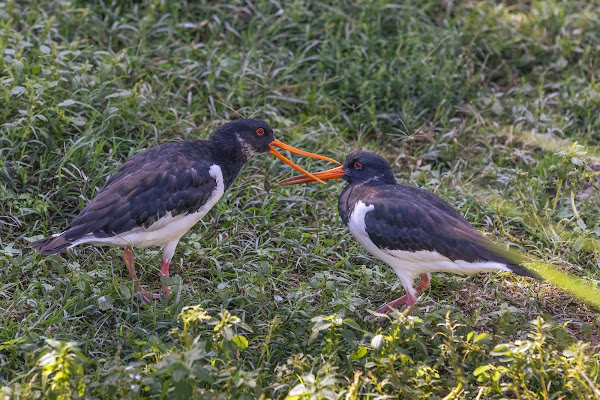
[
  {"x": 160, "y": 193},
  {"x": 411, "y": 229}
]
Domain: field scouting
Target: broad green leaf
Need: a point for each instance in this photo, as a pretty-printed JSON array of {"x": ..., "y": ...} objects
[
  {"x": 359, "y": 353},
  {"x": 240, "y": 341}
]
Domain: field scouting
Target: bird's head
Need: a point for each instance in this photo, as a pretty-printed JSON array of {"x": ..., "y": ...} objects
[
  {"x": 254, "y": 136},
  {"x": 359, "y": 168}
]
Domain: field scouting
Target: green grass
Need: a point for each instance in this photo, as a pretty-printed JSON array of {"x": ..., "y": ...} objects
[{"x": 493, "y": 106}]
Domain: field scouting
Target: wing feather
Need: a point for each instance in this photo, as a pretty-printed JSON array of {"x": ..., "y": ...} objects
[
  {"x": 145, "y": 189},
  {"x": 412, "y": 219}
]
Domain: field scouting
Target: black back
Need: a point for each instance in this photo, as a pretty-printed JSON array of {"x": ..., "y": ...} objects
[
  {"x": 173, "y": 178},
  {"x": 412, "y": 219}
]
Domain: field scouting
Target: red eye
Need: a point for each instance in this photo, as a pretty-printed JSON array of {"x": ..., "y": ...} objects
[
  {"x": 357, "y": 165},
  {"x": 260, "y": 131}
]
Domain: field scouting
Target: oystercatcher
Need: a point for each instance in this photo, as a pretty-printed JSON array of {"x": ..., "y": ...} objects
[
  {"x": 411, "y": 229},
  {"x": 160, "y": 193}
]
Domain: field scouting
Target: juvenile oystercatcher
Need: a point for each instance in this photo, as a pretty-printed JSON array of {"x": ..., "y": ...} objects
[
  {"x": 411, "y": 229},
  {"x": 160, "y": 193}
]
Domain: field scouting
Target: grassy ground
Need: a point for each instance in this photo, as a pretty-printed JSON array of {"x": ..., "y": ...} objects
[{"x": 493, "y": 106}]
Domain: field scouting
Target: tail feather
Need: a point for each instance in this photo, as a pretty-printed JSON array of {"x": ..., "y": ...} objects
[
  {"x": 520, "y": 270},
  {"x": 513, "y": 261},
  {"x": 51, "y": 244}
]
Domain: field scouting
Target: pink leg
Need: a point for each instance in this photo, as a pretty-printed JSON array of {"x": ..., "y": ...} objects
[
  {"x": 164, "y": 273},
  {"x": 407, "y": 299},
  {"x": 387, "y": 308},
  {"x": 168, "y": 252},
  {"x": 128, "y": 258}
]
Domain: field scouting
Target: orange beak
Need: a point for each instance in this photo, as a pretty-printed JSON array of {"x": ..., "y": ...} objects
[
  {"x": 334, "y": 173},
  {"x": 284, "y": 146}
]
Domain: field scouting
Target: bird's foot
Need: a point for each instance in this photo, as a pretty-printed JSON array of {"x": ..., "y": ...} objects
[
  {"x": 389, "y": 307},
  {"x": 165, "y": 291},
  {"x": 410, "y": 298},
  {"x": 146, "y": 296}
]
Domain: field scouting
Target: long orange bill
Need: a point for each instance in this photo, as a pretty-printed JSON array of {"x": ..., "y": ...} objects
[
  {"x": 284, "y": 146},
  {"x": 334, "y": 173}
]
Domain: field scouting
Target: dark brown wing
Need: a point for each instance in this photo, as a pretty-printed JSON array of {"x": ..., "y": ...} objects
[
  {"x": 171, "y": 178},
  {"x": 412, "y": 219}
]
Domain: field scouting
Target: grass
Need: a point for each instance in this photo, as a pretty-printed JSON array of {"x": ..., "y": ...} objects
[{"x": 492, "y": 105}]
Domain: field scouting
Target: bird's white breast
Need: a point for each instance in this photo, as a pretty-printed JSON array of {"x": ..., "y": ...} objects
[
  {"x": 167, "y": 229},
  {"x": 408, "y": 264}
]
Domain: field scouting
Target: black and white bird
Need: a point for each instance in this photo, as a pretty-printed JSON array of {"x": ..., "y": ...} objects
[
  {"x": 411, "y": 229},
  {"x": 160, "y": 193}
]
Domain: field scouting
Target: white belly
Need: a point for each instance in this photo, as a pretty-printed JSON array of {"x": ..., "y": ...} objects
[{"x": 167, "y": 229}]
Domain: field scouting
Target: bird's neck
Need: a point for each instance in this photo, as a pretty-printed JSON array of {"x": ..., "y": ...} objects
[
  {"x": 356, "y": 191},
  {"x": 230, "y": 156}
]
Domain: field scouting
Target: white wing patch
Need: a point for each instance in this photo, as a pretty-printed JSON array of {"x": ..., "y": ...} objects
[{"x": 168, "y": 229}]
